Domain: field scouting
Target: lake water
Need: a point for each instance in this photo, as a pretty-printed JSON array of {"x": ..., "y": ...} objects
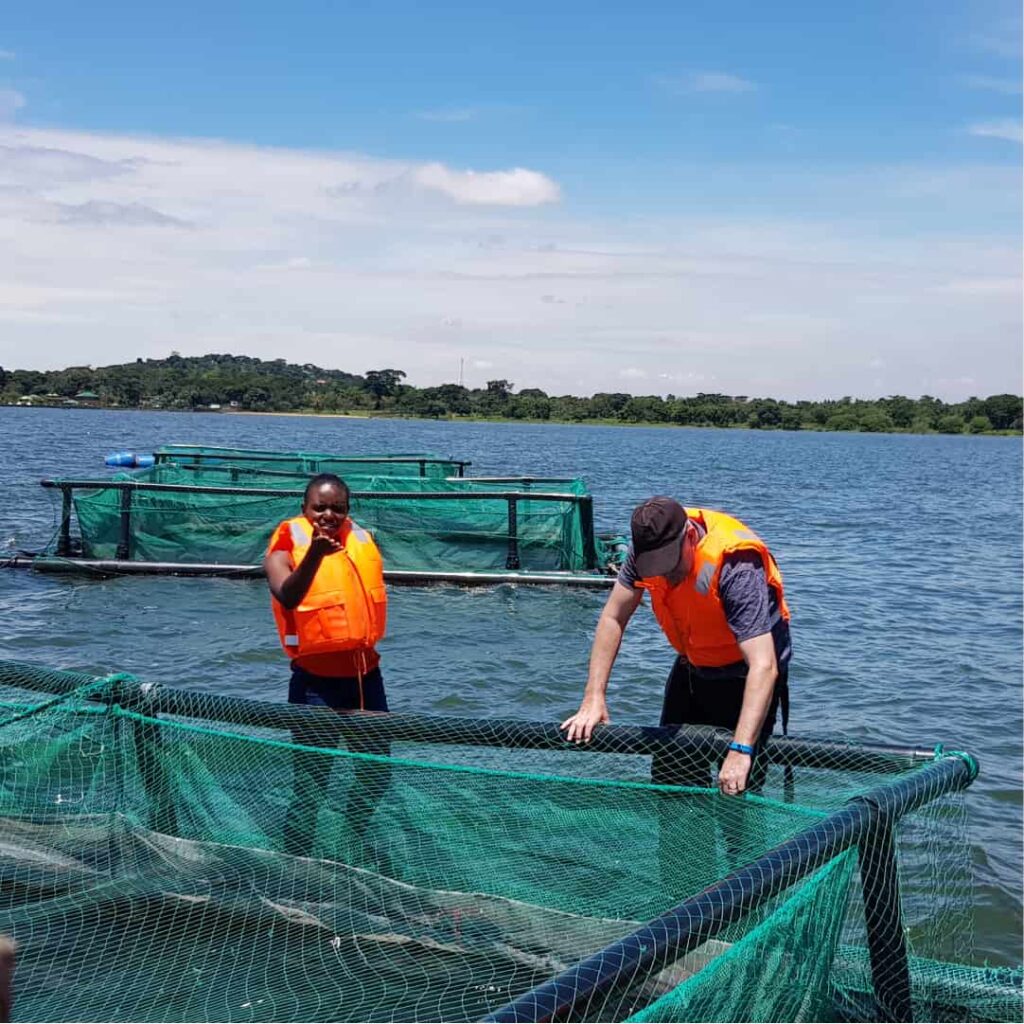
[{"x": 901, "y": 556}]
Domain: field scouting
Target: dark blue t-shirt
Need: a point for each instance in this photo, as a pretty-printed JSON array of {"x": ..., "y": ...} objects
[{"x": 751, "y": 606}]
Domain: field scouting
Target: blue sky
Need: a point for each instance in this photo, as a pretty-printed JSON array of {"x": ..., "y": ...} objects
[{"x": 798, "y": 199}]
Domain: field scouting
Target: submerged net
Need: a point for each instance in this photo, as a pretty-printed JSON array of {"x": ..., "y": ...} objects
[
  {"x": 176, "y": 856},
  {"x": 425, "y": 524}
]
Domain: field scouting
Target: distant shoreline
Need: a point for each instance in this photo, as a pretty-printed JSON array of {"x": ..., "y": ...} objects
[
  {"x": 590, "y": 422},
  {"x": 251, "y": 386}
]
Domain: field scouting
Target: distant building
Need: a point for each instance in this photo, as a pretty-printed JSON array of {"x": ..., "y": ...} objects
[{"x": 87, "y": 398}]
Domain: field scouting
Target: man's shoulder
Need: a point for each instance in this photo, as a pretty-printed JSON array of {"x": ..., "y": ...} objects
[{"x": 627, "y": 571}]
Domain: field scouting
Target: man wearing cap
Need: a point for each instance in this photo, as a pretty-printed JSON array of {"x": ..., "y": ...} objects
[{"x": 717, "y": 594}]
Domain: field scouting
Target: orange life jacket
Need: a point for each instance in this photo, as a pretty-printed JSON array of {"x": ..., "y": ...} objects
[
  {"x": 346, "y": 606},
  {"x": 691, "y": 614}
]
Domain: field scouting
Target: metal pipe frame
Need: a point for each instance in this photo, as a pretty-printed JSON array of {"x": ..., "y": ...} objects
[
  {"x": 421, "y": 461},
  {"x": 269, "y": 492},
  {"x": 696, "y": 742},
  {"x": 235, "y": 471}
]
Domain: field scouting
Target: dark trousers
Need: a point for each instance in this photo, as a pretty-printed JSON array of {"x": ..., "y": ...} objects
[
  {"x": 688, "y": 863},
  {"x": 693, "y": 700},
  {"x": 312, "y": 771}
]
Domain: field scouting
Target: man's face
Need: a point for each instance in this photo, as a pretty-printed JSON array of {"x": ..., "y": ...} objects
[{"x": 326, "y": 506}]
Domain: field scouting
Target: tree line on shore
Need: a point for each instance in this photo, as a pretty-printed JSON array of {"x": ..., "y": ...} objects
[{"x": 249, "y": 384}]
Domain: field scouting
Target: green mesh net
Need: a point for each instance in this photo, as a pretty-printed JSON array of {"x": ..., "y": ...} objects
[
  {"x": 419, "y": 523},
  {"x": 170, "y": 855},
  {"x": 309, "y": 463},
  {"x": 793, "y": 947}
]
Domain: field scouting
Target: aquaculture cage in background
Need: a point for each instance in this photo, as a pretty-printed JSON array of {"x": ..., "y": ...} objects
[
  {"x": 359, "y": 477},
  {"x": 420, "y": 524},
  {"x": 172, "y": 855},
  {"x": 309, "y": 463}
]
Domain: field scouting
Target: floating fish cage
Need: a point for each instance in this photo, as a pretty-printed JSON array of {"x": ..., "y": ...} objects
[
  {"x": 196, "y": 520},
  {"x": 206, "y": 511},
  {"x": 309, "y": 463},
  {"x": 180, "y": 856}
]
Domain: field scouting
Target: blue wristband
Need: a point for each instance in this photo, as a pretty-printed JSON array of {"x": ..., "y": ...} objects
[{"x": 741, "y": 748}]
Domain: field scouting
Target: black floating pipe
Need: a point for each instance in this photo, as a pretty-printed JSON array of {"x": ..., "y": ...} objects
[
  {"x": 697, "y": 743},
  {"x": 402, "y": 577},
  {"x": 705, "y": 915},
  {"x": 519, "y": 479}
]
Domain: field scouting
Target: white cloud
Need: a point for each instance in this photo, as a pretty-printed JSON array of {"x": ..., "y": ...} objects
[
  {"x": 518, "y": 187},
  {"x": 1007, "y": 129},
  {"x": 705, "y": 81},
  {"x": 11, "y": 101},
  {"x": 116, "y": 247}
]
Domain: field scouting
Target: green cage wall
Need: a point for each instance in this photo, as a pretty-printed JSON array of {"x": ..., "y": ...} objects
[
  {"x": 179, "y": 856},
  {"x": 309, "y": 463},
  {"x": 426, "y": 524}
]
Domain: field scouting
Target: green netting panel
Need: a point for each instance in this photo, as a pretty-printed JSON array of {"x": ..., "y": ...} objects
[
  {"x": 942, "y": 991},
  {"x": 232, "y": 860},
  {"x": 308, "y": 463},
  {"x": 154, "y": 870},
  {"x": 358, "y": 477},
  {"x": 468, "y": 533},
  {"x": 778, "y": 971}
]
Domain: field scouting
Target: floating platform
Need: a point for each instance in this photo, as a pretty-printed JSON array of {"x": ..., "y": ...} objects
[{"x": 410, "y": 577}]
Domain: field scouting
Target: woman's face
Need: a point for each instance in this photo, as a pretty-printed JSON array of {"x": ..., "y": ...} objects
[{"x": 326, "y": 506}]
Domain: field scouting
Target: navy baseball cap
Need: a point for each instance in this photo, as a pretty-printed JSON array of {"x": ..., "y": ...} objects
[{"x": 657, "y": 526}]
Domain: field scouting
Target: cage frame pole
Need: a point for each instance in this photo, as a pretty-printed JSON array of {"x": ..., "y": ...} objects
[
  {"x": 886, "y": 937},
  {"x": 705, "y": 915},
  {"x": 124, "y": 542},
  {"x": 512, "y": 559},
  {"x": 64, "y": 539}
]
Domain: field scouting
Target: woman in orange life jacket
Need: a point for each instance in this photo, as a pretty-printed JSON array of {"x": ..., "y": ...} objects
[
  {"x": 330, "y": 606},
  {"x": 718, "y": 597}
]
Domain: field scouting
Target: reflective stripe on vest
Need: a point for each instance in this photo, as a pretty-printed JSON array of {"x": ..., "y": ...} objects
[{"x": 691, "y": 614}]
